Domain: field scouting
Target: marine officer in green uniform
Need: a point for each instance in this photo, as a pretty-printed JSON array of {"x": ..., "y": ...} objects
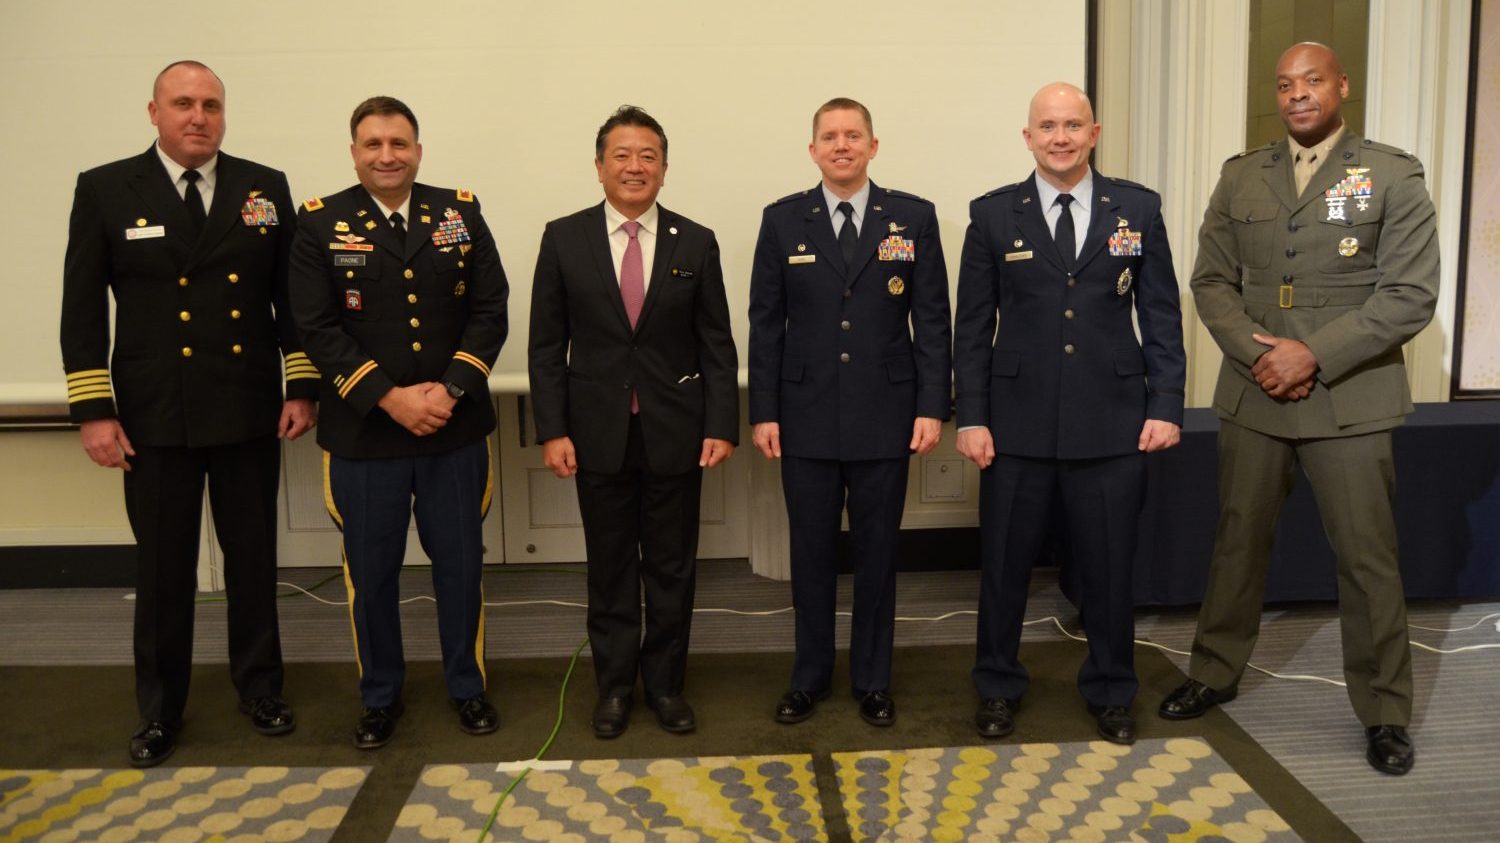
[{"x": 1317, "y": 260}]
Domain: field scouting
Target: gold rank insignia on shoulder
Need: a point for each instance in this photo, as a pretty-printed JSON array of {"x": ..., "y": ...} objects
[
  {"x": 313, "y": 204},
  {"x": 896, "y": 229},
  {"x": 1122, "y": 284},
  {"x": 1349, "y": 247},
  {"x": 896, "y": 285},
  {"x": 464, "y": 195},
  {"x": 341, "y": 226}
]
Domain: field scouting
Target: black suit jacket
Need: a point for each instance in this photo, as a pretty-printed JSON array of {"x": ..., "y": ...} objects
[
  {"x": 1064, "y": 375},
  {"x": 378, "y": 312},
  {"x": 201, "y": 324},
  {"x": 585, "y": 360},
  {"x": 846, "y": 357}
]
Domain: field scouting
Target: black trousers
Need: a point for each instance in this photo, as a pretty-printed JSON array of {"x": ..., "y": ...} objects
[
  {"x": 641, "y": 533},
  {"x": 164, "y": 501},
  {"x": 374, "y": 501},
  {"x": 1100, "y": 501},
  {"x": 816, "y": 494}
]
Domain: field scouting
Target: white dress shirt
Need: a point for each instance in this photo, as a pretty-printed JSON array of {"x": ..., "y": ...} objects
[
  {"x": 614, "y": 225},
  {"x": 1082, "y": 207},
  {"x": 207, "y": 175},
  {"x": 860, "y": 200}
]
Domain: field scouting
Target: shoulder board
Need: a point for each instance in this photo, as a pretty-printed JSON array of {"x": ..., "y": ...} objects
[
  {"x": 313, "y": 204},
  {"x": 464, "y": 195},
  {"x": 904, "y": 195},
  {"x": 1131, "y": 184},
  {"x": 1387, "y": 148},
  {"x": 789, "y": 197},
  {"x": 1239, "y": 155},
  {"x": 999, "y": 190}
]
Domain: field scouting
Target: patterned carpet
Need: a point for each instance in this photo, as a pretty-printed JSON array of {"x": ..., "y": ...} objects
[
  {"x": 182, "y": 805},
  {"x": 1166, "y": 791}
]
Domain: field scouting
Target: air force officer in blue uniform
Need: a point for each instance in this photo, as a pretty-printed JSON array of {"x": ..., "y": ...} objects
[
  {"x": 849, "y": 374},
  {"x": 1058, "y": 404}
]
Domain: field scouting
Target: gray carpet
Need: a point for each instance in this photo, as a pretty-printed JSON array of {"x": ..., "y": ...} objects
[{"x": 1453, "y": 794}]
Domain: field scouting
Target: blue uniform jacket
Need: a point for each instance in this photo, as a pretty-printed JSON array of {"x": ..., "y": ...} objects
[
  {"x": 846, "y": 357},
  {"x": 1051, "y": 362}
]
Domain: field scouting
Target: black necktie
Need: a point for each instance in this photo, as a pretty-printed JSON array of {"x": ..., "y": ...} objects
[
  {"x": 399, "y": 224},
  {"x": 847, "y": 235},
  {"x": 194, "y": 201},
  {"x": 1067, "y": 242}
]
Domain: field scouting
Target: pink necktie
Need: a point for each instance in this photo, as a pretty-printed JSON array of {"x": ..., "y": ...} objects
[{"x": 633, "y": 287}]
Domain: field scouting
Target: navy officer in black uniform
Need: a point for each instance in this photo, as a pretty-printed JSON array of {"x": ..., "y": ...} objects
[
  {"x": 1057, "y": 406},
  {"x": 193, "y": 244},
  {"x": 849, "y": 375},
  {"x": 399, "y": 294}
]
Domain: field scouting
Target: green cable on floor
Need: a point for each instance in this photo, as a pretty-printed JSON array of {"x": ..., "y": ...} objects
[{"x": 556, "y": 727}]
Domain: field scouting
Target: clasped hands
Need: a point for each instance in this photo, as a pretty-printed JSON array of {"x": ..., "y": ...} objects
[
  {"x": 421, "y": 408},
  {"x": 1288, "y": 370}
]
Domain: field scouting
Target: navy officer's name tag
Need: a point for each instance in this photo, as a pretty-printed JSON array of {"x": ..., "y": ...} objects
[
  {"x": 348, "y": 260},
  {"x": 145, "y": 232}
]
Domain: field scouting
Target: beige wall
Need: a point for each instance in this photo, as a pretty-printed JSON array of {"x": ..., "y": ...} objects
[{"x": 1275, "y": 25}]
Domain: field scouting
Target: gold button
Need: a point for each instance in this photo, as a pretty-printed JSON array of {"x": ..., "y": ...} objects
[
  {"x": 460, "y": 264},
  {"x": 1068, "y": 314},
  {"x": 409, "y": 274},
  {"x": 234, "y": 278},
  {"x": 349, "y": 274},
  {"x": 185, "y": 316},
  {"x": 415, "y": 322},
  {"x": 234, "y": 314},
  {"x": 187, "y": 352},
  {"x": 237, "y": 348},
  {"x": 262, "y": 229},
  {"x": 182, "y": 282},
  {"x": 1068, "y": 348},
  {"x": 416, "y": 346},
  {"x": 411, "y": 297}
]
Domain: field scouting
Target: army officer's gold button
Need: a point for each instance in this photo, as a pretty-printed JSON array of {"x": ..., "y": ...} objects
[
  {"x": 237, "y": 348},
  {"x": 411, "y": 297},
  {"x": 234, "y": 314},
  {"x": 187, "y": 352},
  {"x": 415, "y": 322},
  {"x": 409, "y": 274},
  {"x": 234, "y": 278},
  {"x": 185, "y": 316},
  {"x": 182, "y": 282},
  {"x": 416, "y": 346}
]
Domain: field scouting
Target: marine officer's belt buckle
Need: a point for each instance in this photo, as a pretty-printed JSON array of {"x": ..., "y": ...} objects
[{"x": 1285, "y": 297}]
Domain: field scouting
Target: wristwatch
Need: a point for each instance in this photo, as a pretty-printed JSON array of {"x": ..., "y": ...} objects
[{"x": 454, "y": 390}]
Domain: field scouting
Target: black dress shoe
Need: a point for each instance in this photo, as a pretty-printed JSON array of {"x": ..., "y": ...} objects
[
  {"x": 996, "y": 717},
  {"x": 1391, "y": 750},
  {"x": 376, "y": 726},
  {"x": 796, "y": 706},
  {"x": 673, "y": 713},
  {"x": 1115, "y": 723},
  {"x": 877, "y": 708},
  {"x": 269, "y": 715},
  {"x": 611, "y": 716},
  {"x": 1191, "y": 699},
  {"x": 152, "y": 743},
  {"x": 476, "y": 715}
]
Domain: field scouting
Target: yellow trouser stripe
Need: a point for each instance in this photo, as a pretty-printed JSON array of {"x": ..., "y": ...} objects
[{"x": 333, "y": 511}]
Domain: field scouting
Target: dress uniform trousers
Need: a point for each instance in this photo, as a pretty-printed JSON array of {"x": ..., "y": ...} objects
[
  {"x": 1353, "y": 479},
  {"x": 815, "y": 492},
  {"x": 372, "y": 499},
  {"x": 164, "y": 502},
  {"x": 1100, "y": 503}
]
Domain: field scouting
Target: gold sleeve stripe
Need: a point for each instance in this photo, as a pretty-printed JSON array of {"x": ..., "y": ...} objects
[
  {"x": 355, "y": 378},
  {"x": 300, "y": 366},
  {"x": 89, "y": 395},
  {"x": 88, "y": 373},
  {"x": 88, "y": 383},
  {"x": 303, "y": 376},
  {"x": 296, "y": 355},
  {"x": 473, "y": 361}
]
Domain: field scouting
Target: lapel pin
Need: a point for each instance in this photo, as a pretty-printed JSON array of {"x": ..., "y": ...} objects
[
  {"x": 672, "y": 230},
  {"x": 1018, "y": 244}
]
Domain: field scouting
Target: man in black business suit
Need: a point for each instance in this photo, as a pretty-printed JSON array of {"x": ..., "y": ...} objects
[
  {"x": 193, "y": 244},
  {"x": 633, "y": 377},
  {"x": 1058, "y": 404},
  {"x": 849, "y": 375}
]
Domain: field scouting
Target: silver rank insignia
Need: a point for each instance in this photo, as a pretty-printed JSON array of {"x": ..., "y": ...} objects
[
  {"x": 896, "y": 285},
  {"x": 1122, "y": 285},
  {"x": 1349, "y": 247}
]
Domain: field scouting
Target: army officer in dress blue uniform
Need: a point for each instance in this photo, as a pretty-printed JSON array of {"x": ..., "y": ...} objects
[
  {"x": 1058, "y": 404},
  {"x": 193, "y": 244},
  {"x": 398, "y": 291},
  {"x": 849, "y": 374}
]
